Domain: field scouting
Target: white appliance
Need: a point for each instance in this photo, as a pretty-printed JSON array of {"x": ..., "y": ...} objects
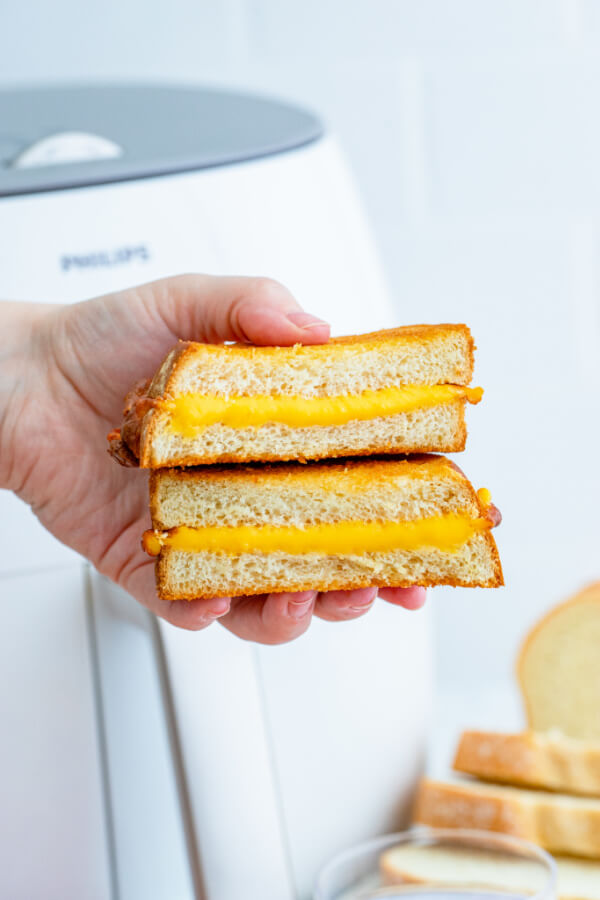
[{"x": 161, "y": 763}]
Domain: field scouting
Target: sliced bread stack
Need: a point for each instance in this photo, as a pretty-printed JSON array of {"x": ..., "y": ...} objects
[{"x": 542, "y": 785}]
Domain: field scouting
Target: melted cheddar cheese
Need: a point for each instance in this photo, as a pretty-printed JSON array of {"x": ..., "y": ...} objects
[
  {"x": 448, "y": 533},
  {"x": 484, "y": 496},
  {"x": 190, "y": 412}
]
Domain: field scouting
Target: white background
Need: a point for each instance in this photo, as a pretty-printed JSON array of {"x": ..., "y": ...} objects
[{"x": 473, "y": 127}]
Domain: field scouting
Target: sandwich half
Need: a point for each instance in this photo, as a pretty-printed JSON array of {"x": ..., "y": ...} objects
[
  {"x": 398, "y": 391},
  {"x": 230, "y": 531}
]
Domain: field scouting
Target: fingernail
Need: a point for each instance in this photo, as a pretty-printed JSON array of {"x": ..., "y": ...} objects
[
  {"x": 219, "y": 608},
  {"x": 306, "y": 320},
  {"x": 301, "y": 606},
  {"x": 366, "y": 599}
]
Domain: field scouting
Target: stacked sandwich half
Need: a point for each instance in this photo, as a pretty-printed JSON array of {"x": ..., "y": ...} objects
[{"x": 286, "y": 468}]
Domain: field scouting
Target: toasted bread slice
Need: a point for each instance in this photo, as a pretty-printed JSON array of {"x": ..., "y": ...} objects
[
  {"x": 559, "y": 668},
  {"x": 557, "y": 822},
  {"x": 323, "y": 526},
  {"x": 549, "y": 761},
  {"x": 398, "y": 391},
  {"x": 455, "y": 867}
]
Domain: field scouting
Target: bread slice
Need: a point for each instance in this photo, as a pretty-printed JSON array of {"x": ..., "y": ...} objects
[
  {"x": 559, "y": 668},
  {"x": 324, "y": 526},
  {"x": 462, "y": 867},
  {"x": 549, "y": 761},
  {"x": 557, "y": 822},
  {"x": 398, "y": 391}
]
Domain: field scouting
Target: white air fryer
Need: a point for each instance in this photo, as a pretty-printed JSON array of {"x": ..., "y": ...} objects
[{"x": 138, "y": 760}]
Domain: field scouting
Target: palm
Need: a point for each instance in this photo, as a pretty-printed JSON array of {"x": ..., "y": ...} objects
[{"x": 108, "y": 507}]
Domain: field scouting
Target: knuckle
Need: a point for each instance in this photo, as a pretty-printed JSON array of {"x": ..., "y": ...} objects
[
  {"x": 184, "y": 280},
  {"x": 257, "y": 293},
  {"x": 267, "y": 289}
]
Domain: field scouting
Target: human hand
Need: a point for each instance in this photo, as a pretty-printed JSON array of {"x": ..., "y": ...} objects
[{"x": 64, "y": 371}]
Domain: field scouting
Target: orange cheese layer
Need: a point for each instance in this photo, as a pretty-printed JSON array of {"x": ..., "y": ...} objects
[
  {"x": 484, "y": 496},
  {"x": 190, "y": 412},
  {"x": 447, "y": 533}
]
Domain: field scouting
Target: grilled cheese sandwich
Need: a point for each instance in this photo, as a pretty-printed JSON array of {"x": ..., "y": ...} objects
[
  {"x": 398, "y": 391},
  {"x": 324, "y": 526}
]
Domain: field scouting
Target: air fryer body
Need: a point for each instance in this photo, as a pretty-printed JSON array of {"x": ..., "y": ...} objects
[{"x": 287, "y": 753}]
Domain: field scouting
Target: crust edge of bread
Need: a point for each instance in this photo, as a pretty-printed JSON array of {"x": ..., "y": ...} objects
[
  {"x": 507, "y": 811},
  {"x": 532, "y": 760},
  {"x": 259, "y": 471}
]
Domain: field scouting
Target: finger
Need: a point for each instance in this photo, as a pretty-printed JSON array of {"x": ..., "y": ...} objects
[
  {"x": 271, "y": 618},
  {"x": 409, "y": 598},
  {"x": 193, "y": 615},
  {"x": 214, "y": 309},
  {"x": 340, "y": 606}
]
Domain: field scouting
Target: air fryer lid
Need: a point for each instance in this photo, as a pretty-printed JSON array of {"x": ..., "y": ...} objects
[{"x": 53, "y": 138}]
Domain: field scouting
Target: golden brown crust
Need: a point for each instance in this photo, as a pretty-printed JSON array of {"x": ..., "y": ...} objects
[
  {"x": 419, "y": 464},
  {"x": 419, "y": 333},
  {"x": 158, "y": 384},
  {"x": 118, "y": 449},
  {"x": 224, "y": 460},
  {"x": 492, "y": 756},
  {"x": 407, "y": 332},
  {"x": 437, "y": 805}
]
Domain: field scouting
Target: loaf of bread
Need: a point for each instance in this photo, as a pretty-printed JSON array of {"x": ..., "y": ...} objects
[
  {"x": 557, "y": 822},
  {"x": 559, "y": 668},
  {"x": 550, "y": 761}
]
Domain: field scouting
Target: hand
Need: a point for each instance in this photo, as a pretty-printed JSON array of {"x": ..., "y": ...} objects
[{"x": 64, "y": 371}]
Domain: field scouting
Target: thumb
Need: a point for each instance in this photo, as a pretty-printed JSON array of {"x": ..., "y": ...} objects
[
  {"x": 108, "y": 344},
  {"x": 214, "y": 309}
]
